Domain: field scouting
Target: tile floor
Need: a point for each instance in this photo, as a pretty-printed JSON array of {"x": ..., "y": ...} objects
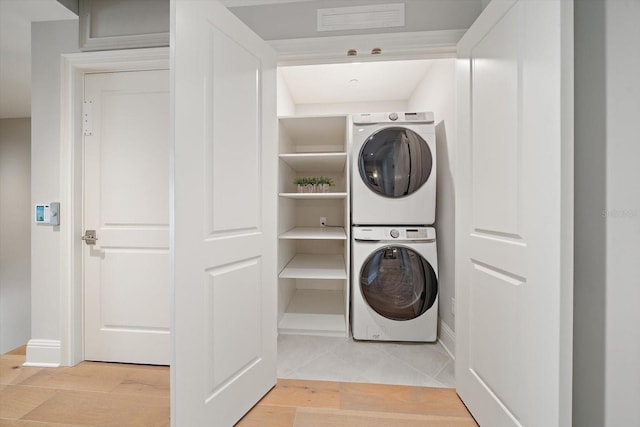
[{"x": 340, "y": 359}]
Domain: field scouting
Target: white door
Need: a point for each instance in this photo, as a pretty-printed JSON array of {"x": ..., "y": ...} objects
[
  {"x": 224, "y": 241},
  {"x": 126, "y": 203},
  {"x": 514, "y": 224}
]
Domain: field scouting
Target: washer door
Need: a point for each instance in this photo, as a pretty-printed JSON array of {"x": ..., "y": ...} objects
[
  {"x": 395, "y": 162},
  {"x": 398, "y": 283}
]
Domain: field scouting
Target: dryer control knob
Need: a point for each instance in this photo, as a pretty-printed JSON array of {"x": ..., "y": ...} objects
[
  {"x": 393, "y": 116},
  {"x": 394, "y": 233}
]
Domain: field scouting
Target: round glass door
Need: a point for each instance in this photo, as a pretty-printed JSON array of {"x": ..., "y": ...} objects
[
  {"x": 395, "y": 162},
  {"x": 398, "y": 283}
]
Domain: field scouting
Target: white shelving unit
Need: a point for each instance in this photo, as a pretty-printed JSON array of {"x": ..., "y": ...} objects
[
  {"x": 315, "y": 162},
  {"x": 317, "y": 196},
  {"x": 315, "y": 266},
  {"x": 314, "y": 312},
  {"x": 314, "y": 271},
  {"x": 315, "y": 233}
]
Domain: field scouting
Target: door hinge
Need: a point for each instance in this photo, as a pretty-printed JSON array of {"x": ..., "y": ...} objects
[{"x": 87, "y": 118}]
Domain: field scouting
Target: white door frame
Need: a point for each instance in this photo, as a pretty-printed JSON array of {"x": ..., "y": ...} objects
[{"x": 73, "y": 69}]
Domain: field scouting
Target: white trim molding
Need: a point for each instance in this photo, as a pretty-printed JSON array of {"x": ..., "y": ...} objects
[
  {"x": 74, "y": 67},
  {"x": 43, "y": 353},
  {"x": 407, "y": 45},
  {"x": 447, "y": 338}
]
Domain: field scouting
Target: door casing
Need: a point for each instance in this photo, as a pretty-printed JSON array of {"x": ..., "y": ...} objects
[{"x": 73, "y": 69}]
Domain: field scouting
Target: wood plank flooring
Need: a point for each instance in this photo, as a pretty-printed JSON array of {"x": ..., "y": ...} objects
[{"x": 108, "y": 394}]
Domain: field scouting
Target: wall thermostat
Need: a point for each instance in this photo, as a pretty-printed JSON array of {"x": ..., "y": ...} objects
[{"x": 48, "y": 214}]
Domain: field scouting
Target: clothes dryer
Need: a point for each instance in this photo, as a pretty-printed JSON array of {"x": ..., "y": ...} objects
[
  {"x": 394, "y": 284},
  {"x": 393, "y": 169}
]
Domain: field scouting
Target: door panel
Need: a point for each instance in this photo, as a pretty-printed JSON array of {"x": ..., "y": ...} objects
[
  {"x": 492, "y": 329},
  {"x": 513, "y": 247},
  {"x": 495, "y": 150},
  {"x": 131, "y": 188},
  {"x": 131, "y": 278},
  {"x": 225, "y": 159},
  {"x": 234, "y": 74},
  {"x": 236, "y": 282},
  {"x": 126, "y": 200}
]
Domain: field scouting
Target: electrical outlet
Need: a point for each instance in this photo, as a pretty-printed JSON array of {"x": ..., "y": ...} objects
[
  {"x": 323, "y": 221},
  {"x": 453, "y": 306}
]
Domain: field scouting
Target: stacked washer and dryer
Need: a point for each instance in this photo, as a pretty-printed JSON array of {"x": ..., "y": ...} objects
[{"x": 394, "y": 255}]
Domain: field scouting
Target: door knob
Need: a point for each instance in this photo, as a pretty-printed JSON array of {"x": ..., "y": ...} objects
[{"x": 90, "y": 237}]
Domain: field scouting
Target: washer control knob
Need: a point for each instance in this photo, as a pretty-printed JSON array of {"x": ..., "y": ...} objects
[
  {"x": 393, "y": 116},
  {"x": 394, "y": 233}
]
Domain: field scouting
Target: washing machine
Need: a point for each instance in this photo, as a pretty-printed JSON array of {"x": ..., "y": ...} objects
[
  {"x": 394, "y": 286},
  {"x": 393, "y": 169}
]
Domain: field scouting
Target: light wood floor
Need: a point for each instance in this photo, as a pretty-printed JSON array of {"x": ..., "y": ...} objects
[{"x": 117, "y": 395}]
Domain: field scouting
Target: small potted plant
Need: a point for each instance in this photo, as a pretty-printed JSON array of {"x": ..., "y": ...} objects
[
  {"x": 323, "y": 183},
  {"x": 315, "y": 184},
  {"x": 305, "y": 184}
]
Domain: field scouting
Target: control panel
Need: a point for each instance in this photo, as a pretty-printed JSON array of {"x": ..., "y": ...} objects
[
  {"x": 48, "y": 214},
  {"x": 393, "y": 233},
  {"x": 371, "y": 118}
]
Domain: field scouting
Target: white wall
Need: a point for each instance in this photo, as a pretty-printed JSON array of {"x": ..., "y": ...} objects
[
  {"x": 351, "y": 107},
  {"x": 590, "y": 227},
  {"x": 607, "y": 215},
  {"x": 285, "y": 104},
  {"x": 15, "y": 242},
  {"x": 116, "y": 18},
  {"x": 48, "y": 41},
  {"x": 622, "y": 356},
  {"x": 436, "y": 93},
  {"x": 72, "y": 5}
]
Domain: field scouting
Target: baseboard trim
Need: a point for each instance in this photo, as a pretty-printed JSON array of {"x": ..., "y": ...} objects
[
  {"x": 43, "y": 353},
  {"x": 447, "y": 338}
]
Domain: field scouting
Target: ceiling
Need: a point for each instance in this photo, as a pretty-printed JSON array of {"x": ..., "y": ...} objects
[{"x": 15, "y": 50}]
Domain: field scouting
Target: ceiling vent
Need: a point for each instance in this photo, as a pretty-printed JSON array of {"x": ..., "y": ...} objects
[{"x": 361, "y": 17}]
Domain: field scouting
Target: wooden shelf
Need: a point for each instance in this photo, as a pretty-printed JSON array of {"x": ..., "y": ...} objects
[
  {"x": 314, "y": 312},
  {"x": 315, "y": 266},
  {"x": 311, "y": 196},
  {"x": 316, "y": 162},
  {"x": 315, "y": 233}
]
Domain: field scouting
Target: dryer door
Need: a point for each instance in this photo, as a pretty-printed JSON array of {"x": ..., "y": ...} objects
[
  {"x": 398, "y": 283},
  {"x": 395, "y": 162}
]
